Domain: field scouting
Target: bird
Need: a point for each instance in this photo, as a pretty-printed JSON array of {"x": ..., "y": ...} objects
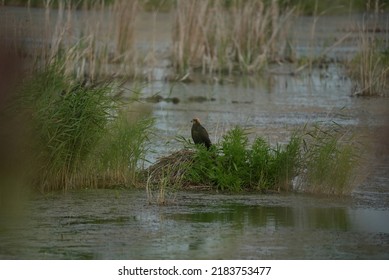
[{"x": 200, "y": 134}]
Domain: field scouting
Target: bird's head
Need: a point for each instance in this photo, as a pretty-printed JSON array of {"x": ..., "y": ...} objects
[{"x": 195, "y": 121}]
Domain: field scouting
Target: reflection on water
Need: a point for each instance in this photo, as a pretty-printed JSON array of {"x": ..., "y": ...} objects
[
  {"x": 274, "y": 218},
  {"x": 370, "y": 220},
  {"x": 112, "y": 224}
]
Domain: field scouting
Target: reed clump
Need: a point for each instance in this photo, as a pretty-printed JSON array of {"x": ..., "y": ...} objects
[
  {"x": 217, "y": 38},
  {"x": 330, "y": 159},
  {"x": 95, "y": 38},
  {"x": 80, "y": 137},
  {"x": 369, "y": 69}
]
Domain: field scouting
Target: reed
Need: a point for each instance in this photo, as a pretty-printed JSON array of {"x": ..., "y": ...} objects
[
  {"x": 166, "y": 176},
  {"x": 369, "y": 69},
  {"x": 80, "y": 135},
  {"x": 121, "y": 151},
  {"x": 163, "y": 191},
  {"x": 330, "y": 159},
  {"x": 94, "y": 40},
  {"x": 242, "y": 37}
]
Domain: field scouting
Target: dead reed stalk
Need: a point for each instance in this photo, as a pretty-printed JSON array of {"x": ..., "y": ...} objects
[
  {"x": 370, "y": 67},
  {"x": 166, "y": 175},
  {"x": 94, "y": 40},
  {"x": 243, "y": 36}
]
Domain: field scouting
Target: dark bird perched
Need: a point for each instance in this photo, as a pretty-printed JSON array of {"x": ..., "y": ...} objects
[{"x": 200, "y": 134}]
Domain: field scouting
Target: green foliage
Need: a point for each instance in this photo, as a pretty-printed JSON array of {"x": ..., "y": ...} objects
[
  {"x": 232, "y": 165},
  {"x": 123, "y": 147},
  {"x": 313, "y": 7},
  {"x": 273, "y": 168},
  {"x": 157, "y": 5},
  {"x": 80, "y": 137},
  {"x": 320, "y": 159},
  {"x": 67, "y": 120},
  {"x": 329, "y": 160}
]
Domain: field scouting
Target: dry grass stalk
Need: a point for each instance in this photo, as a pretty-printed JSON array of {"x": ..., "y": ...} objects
[
  {"x": 173, "y": 165},
  {"x": 125, "y": 15},
  {"x": 243, "y": 36},
  {"x": 369, "y": 69},
  {"x": 188, "y": 37},
  {"x": 166, "y": 175},
  {"x": 372, "y": 76},
  {"x": 96, "y": 40}
]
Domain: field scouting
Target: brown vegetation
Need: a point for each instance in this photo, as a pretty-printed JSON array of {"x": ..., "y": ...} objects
[{"x": 244, "y": 37}]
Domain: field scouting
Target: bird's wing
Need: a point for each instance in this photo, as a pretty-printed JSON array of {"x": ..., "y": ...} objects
[{"x": 204, "y": 131}]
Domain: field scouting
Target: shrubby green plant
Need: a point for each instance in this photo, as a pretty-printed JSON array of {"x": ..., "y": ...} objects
[
  {"x": 318, "y": 159},
  {"x": 275, "y": 167},
  {"x": 233, "y": 165},
  {"x": 321, "y": 158}
]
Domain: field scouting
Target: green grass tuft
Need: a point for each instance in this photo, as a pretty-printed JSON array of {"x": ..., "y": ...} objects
[
  {"x": 80, "y": 135},
  {"x": 330, "y": 159}
]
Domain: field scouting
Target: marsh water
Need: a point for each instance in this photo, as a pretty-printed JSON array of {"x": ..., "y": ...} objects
[
  {"x": 121, "y": 224},
  {"x": 126, "y": 224}
]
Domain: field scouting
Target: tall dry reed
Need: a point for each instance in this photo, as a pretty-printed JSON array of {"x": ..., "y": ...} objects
[
  {"x": 94, "y": 40},
  {"x": 369, "y": 69},
  {"x": 244, "y": 36}
]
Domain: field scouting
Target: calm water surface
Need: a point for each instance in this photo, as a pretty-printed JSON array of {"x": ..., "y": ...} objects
[{"x": 122, "y": 224}]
